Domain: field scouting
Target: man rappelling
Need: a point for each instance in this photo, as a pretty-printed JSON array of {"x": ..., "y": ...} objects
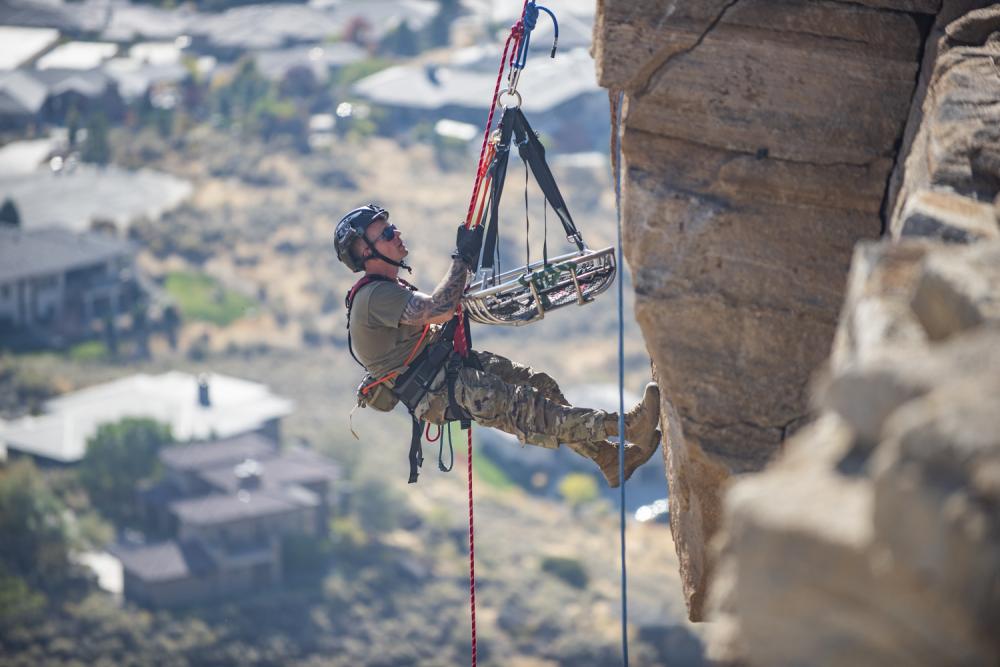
[{"x": 403, "y": 338}]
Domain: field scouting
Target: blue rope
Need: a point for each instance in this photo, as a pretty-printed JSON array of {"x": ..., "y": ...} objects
[
  {"x": 530, "y": 21},
  {"x": 621, "y": 366}
]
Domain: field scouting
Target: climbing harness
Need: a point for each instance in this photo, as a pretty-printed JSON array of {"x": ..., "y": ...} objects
[
  {"x": 409, "y": 386},
  {"x": 524, "y": 295}
]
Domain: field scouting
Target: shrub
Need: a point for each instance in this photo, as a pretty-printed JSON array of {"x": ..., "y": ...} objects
[
  {"x": 578, "y": 489},
  {"x": 89, "y": 351},
  {"x": 33, "y": 531},
  {"x": 570, "y": 570},
  {"x": 117, "y": 457},
  {"x": 201, "y": 297}
]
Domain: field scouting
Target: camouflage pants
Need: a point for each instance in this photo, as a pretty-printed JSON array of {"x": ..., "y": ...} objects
[{"x": 515, "y": 399}]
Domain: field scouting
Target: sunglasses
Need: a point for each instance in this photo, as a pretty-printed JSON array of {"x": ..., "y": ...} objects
[{"x": 388, "y": 234}]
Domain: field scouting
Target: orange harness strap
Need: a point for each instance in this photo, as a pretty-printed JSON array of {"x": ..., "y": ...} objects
[{"x": 413, "y": 353}]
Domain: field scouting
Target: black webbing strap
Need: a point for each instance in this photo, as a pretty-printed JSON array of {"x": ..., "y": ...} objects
[
  {"x": 514, "y": 125},
  {"x": 533, "y": 153},
  {"x": 416, "y": 448},
  {"x": 498, "y": 171}
]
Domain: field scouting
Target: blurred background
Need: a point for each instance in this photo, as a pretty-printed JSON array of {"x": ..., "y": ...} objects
[{"x": 179, "y": 482}]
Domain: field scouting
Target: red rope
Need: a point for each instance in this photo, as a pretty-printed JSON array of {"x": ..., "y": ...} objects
[
  {"x": 461, "y": 342},
  {"x": 516, "y": 35},
  {"x": 472, "y": 558},
  {"x": 427, "y": 433}
]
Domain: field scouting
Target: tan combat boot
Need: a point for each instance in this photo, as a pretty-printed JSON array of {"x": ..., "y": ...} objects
[
  {"x": 641, "y": 432},
  {"x": 607, "y": 458},
  {"x": 642, "y": 421}
]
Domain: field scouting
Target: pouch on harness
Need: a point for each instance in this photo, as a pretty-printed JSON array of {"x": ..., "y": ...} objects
[{"x": 416, "y": 381}]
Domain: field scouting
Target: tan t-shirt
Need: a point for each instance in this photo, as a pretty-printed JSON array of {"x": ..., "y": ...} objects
[{"x": 380, "y": 341}]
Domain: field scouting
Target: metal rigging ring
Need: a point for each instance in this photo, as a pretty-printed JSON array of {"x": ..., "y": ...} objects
[{"x": 513, "y": 93}]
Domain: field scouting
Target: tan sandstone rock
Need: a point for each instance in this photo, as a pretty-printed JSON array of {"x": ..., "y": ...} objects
[
  {"x": 875, "y": 538},
  {"x": 954, "y": 145},
  {"x": 759, "y": 136}
]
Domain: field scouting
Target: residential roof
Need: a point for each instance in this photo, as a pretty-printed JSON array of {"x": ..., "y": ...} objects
[
  {"x": 40, "y": 252},
  {"x": 135, "y": 77},
  {"x": 202, "y": 455},
  {"x": 156, "y": 53},
  {"x": 226, "y": 508},
  {"x": 237, "y": 406},
  {"x": 58, "y": 80},
  {"x": 507, "y": 11},
  {"x": 20, "y": 94},
  {"x": 268, "y": 26},
  {"x": 19, "y": 45},
  {"x": 549, "y": 83},
  {"x": 382, "y": 15},
  {"x": 73, "y": 197},
  {"x": 131, "y": 21},
  {"x": 24, "y": 157},
  {"x": 165, "y": 561},
  {"x": 86, "y": 16},
  {"x": 78, "y": 55},
  {"x": 296, "y": 466},
  {"x": 318, "y": 59}
]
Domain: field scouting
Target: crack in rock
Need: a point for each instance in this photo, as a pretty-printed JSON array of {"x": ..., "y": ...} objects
[{"x": 666, "y": 60}]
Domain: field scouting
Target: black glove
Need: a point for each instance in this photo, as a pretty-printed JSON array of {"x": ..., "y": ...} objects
[{"x": 468, "y": 243}]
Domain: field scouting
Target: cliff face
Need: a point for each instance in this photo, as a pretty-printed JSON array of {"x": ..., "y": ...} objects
[
  {"x": 759, "y": 139},
  {"x": 878, "y": 531},
  {"x": 764, "y": 141}
]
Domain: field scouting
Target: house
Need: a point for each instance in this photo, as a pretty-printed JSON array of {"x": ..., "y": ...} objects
[
  {"x": 131, "y": 22},
  {"x": 195, "y": 407},
  {"x": 58, "y": 285},
  {"x": 319, "y": 61},
  {"x": 74, "y": 196},
  {"x": 21, "y": 99},
  {"x": 77, "y": 55},
  {"x": 228, "y": 506},
  {"x": 82, "y": 90},
  {"x": 230, "y": 33},
  {"x": 20, "y": 45},
  {"x": 560, "y": 96},
  {"x": 75, "y": 18}
]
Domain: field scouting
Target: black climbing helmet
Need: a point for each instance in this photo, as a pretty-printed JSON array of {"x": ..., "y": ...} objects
[{"x": 352, "y": 227}]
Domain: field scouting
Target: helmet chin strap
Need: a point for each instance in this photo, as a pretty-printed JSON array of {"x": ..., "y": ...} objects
[{"x": 377, "y": 255}]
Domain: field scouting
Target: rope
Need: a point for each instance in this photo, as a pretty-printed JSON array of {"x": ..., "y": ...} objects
[
  {"x": 616, "y": 148},
  {"x": 461, "y": 341},
  {"x": 516, "y": 34},
  {"x": 472, "y": 557}
]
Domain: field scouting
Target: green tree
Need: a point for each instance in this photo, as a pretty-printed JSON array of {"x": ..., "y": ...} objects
[
  {"x": 32, "y": 530},
  {"x": 402, "y": 40},
  {"x": 118, "y": 456},
  {"x": 439, "y": 28},
  {"x": 9, "y": 214},
  {"x": 18, "y": 602},
  {"x": 72, "y": 125},
  {"x": 97, "y": 147},
  {"x": 379, "y": 507}
]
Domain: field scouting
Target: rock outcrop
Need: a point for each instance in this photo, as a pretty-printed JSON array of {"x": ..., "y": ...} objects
[
  {"x": 759, "y": 137},
  {"x": 946, "y": 185},
  {"x": 875, "y": 538}
]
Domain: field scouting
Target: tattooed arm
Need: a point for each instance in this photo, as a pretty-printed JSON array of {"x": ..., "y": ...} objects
[{"x": 437, "y": 308}]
